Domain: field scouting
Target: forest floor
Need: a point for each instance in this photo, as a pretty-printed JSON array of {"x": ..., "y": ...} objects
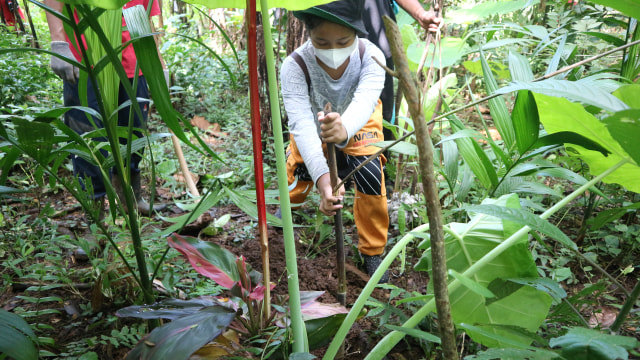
[{"x": 69, "y": 324}]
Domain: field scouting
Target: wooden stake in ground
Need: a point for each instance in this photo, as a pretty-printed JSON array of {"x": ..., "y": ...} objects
[
  {"x": 409, "y": 85},
  {"x": 337, "y": 220},
  {"x": 333, "y": 174}
]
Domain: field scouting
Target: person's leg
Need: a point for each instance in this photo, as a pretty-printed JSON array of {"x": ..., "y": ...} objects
[
  {"x": 78, "y": 121},
  {"x": 89, "y": 174},
  {"x": 300, "y": 182},
  {"x": 138, "y": 122},
  {"x": 370, "y": 206}
]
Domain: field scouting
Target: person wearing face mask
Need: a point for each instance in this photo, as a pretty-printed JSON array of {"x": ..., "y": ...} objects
[{"x": 335, "y": 66}]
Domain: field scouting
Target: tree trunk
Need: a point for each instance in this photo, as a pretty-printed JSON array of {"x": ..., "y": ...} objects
[
  {"x": 409, "y": 84},
  {"x": 180, "y": 8},
  {"x": 296, "y": 33}
]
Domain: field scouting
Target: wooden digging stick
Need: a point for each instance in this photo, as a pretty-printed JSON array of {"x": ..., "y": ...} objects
[
  {"x": 337, "y": 219},
  {"x": 183, "y": 167},
  {"x": 333, "y": 174}
]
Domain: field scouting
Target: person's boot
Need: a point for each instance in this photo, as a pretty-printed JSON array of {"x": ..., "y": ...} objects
[
  {"x": 90, "y": 237},
  {"x": 136, "y": 186},
  {"x": 371, "y": 264}
]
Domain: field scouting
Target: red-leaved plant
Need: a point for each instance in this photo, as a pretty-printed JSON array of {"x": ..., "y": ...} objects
[{"x": 198, "y": 321}]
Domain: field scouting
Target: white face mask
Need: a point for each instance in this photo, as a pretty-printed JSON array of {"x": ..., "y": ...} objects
[{"x": 333, "y": 58}]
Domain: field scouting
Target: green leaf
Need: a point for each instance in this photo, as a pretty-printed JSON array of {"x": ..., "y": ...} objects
[
  {"x": 558, "y": 114},
  {"x": 607, "y": 216},
  {"x": 450, "y": 159},
  {"x": 472, "y": 285},
  {"x": 519, "y": 67},
  {"x": 415, "y": 333},
  {"x": 180, "y": 338},
  {"x": 10, "y": 190},
  {"x": 222, "y": 221},
  {"x": 17, "y": 340},
  {"x": 301, "y": 356},
  {"x": 572, "y": 90},
  {"x": 524, "y": 217},
  {"x": 624, "y": 127},
  {"x": 499, "y": 111},
  {"x": 611, "y": 39},
  {"x": 403, "y": 147},
  {"x": 555, "y": 60},
  {"x": 513, "y": 354},
  {"x": 569, "y": 137},
  {"x": 179, "y": 222},
  {"x": 547, "y": 285},
  {"x": 321, "y": 330},
  {"x": 466, "y": 244},
  {"x": 490, "y": 333},
  {"x": 629, "y": 94},
  {"x": 475, "y": 157},
  {"x": 449, "y": 52},
  {"x": 589, "y": 344},
  {"x": 526, "y": 122},
  {"x": 170, "y": 309},
  {"x": 630, "y": 8},
  {"x": 486, "y": 9}
]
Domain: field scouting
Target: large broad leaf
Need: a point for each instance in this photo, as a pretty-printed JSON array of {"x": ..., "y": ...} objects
[
  {"x": 513, "y": 354},
  {"x": 558, "y": 114},
  {"x": 208, "y": 259},
  {"x": 17, "y": 340},
  {"x": 321, "y": 330},
  {"x": 171, "y": 309},
  {"x": 519, "y": 67},
  {"x": 526, "y": 122},
  {"x": 35, "y": 138},
  {"x": 486, "y": 9},
  {"x": 630, "y": 8},
  {"x": 499, "y": 111},
  {"x": 403, "y": 147},
  {"x": 179, "y": 339},
  {"x": 629, "y": 94},
  {"x": 590, "y": 344},
  {"x": 624, "y": 126},
  {"x": 524, "y": 217},
  {"x": 450, "y": 52},
  {"x": 241, "y": 4},
  {"x": 474, "y": 155},
  {"x": 466, "y": 244},
  {"x": 590, "y": 94}
]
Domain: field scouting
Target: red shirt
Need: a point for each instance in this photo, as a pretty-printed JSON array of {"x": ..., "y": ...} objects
[
  {"x": 128, "y": 55},
  {"x": 8, "y": 15}
]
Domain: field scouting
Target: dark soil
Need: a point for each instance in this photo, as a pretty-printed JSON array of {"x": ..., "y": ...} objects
[{"x": 72, "y": 323}]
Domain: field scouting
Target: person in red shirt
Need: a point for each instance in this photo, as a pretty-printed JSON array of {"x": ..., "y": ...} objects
[
  {"x": 9, "y": 8},
  {"x": 78, "y": 121}
]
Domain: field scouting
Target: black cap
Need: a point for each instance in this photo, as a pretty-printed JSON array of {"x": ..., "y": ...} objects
[{"x": 344, "y": 12}]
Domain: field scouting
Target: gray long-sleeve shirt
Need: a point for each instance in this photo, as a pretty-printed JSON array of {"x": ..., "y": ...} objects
[{"x": 353, "y": 96}]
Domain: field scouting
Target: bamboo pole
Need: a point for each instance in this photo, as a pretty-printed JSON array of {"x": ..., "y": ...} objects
[
  {"x": 300, "y": 343},
  {"x": 256, "y": 135},
  {"x": 409, "y": 84}
]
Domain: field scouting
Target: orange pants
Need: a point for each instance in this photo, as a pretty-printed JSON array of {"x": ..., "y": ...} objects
[{"x": 370, "y": 204}]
